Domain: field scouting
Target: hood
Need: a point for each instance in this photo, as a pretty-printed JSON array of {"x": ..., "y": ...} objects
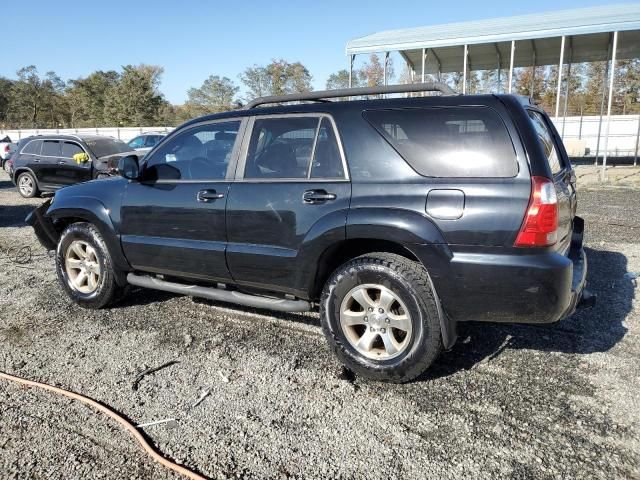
[{"x": 111, "y": 161}]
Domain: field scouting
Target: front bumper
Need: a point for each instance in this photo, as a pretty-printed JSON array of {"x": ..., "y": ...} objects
[{"x": 43, "y": 226}]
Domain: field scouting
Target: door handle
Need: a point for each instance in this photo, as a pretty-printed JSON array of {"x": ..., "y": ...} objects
[
  {"x": 317, "y": 196},
  {"x": 61, "y": 162},
  {"x": 209, "y": 195},
  {"x": 36, "y": 160}
]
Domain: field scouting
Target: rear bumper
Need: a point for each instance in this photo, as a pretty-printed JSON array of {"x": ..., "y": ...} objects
[{"x": 518, "y": 287}]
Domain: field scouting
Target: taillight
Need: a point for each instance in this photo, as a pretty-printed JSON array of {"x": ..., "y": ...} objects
[
  {"x": 6, "y": 148},
  {"x": 540, "y": 225}
]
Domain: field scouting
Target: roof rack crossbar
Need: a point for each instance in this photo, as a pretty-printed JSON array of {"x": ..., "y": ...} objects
[{"x": 354, "y": 92}]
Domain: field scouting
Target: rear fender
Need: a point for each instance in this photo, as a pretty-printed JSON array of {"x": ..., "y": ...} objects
[{"x": 418, "y": 234}]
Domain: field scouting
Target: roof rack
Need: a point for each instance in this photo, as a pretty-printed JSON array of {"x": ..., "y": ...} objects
[{"x": 322, "y": 95}]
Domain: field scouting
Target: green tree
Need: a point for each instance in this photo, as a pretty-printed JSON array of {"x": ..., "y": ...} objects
[
  {"x": 372, "y": 72},
  {"x": 340, "y": 79},
  {"x": 87, "y": 97},
  {"x": 627, "y": 86},
  {"x": 135, "y": 99},
  {"x": 5, "y": 90},
  {"x": 278, "y": 78},
  {"x": 215, "y": 95}
]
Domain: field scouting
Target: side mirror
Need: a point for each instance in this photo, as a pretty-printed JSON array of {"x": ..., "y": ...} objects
[{"x": 128, "y": 167}]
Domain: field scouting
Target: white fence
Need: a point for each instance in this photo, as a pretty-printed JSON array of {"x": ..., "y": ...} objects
[
  {"x": 123, "y": 133},
  {"x": 623, "y": 133}
]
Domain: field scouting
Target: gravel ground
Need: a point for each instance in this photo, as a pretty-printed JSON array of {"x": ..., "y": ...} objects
[{"x": 508, "y": 401}]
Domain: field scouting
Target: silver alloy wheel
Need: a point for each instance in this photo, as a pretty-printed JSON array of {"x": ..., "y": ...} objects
[
  {"x": 25, "y": 184},
  {"x": 6, "y": 166},
  {"x": 82, "y": 266},
  {"x": 375, "y": 322}
]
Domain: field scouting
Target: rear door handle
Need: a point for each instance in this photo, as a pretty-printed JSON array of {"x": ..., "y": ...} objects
[
  {"x": 61, "y": 162},
  {"x": 317, "y": 196},
  {"x": 36, "y": 160},
  {"x": 209, "y": 195}
]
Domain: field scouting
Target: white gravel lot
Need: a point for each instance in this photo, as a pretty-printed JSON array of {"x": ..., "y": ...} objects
[{"x": 511, "y": 401}]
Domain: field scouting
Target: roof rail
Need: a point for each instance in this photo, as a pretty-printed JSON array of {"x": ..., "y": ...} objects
[{"x": 354, "y": 92}]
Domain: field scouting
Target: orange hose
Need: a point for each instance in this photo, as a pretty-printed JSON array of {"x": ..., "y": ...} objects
[{"x": 117, "y": 417}]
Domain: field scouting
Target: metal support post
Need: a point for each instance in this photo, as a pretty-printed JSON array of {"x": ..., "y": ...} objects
[
  {"x": 351, "y": 59},
  {"x": 464, "y": 70},
  {"x": 610, "y": 100},
  {"x": 604, "y": 92},
  {"x": 559, "y": 89},
  {"x": 513, "y": 51}
]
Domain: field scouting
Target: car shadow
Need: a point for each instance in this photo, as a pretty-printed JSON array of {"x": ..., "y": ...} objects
[
  {"x": 586, "y": 331},
  {"x": 6, "y": 184},
  {"x": 14, "y": 215}
]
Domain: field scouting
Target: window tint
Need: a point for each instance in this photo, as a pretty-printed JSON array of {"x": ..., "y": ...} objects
[
  {"x": 449, "y": 142},
  {"x": 50, "y": 148},
  {"x": 200, "y": 153},
  {"x": 546, "y": 140},
  {"x": 105, "y": 146},
  {"x": 137, "y": 142},
  {"x": 33, "y": 147},
  {"x": 151, "y": 140},
  {"x": 70, "y": 149},
  {"x": 327, "y": 162},
  {"x": 281, "y": 147}
]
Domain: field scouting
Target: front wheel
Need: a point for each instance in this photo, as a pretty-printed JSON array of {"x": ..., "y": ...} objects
[
  {"x": 380, "y": 316},
  {"x": 84, "y": 267}
]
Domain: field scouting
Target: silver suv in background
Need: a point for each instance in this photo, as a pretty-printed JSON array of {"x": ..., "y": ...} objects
[{"x": 145, "y": 142}]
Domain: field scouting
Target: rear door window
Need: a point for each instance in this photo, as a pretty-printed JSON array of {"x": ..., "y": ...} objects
[
  {"x": 546, "y": 140},
  {"x": 69, "y": 149},
  {"x": 327, "y": 161},
  {"x": 281, "y": 147},
  {"x": 33, "y": 147},
  {"x": 51, "y": 148},
  {"x": 449, "y": 141}
]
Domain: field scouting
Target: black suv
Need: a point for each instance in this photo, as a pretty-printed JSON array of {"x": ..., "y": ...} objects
[
  {"x": 45, "y": 163},
  {"x": 397, "y": 217}
]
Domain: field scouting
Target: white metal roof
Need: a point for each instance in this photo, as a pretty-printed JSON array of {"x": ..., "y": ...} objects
[{"x": 588, "y": 28}]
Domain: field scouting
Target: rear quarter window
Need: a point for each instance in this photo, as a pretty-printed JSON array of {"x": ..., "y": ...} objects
[
  {"x": 546, "y": 141},
  {"x": 449, "y": 141}
]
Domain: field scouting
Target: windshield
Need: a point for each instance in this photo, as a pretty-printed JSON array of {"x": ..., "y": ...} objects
[{"x": 103, "y": 147}]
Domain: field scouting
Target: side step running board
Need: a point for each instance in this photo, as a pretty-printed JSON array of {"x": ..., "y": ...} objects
[{"x": 279, "y": 304}]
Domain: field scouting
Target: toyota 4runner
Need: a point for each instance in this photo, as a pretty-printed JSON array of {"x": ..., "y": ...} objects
[{"x": 396, "y": 217}]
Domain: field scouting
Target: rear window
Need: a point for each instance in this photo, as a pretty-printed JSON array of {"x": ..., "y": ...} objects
[
  {"x": 450, "y": 141},
  {"x": 546, "y": 140}
]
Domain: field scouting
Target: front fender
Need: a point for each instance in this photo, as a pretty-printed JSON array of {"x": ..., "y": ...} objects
[{"x": 95, "y": 212}]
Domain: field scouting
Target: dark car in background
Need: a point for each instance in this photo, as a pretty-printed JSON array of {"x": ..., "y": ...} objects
[{"x": 45, "y": 163}]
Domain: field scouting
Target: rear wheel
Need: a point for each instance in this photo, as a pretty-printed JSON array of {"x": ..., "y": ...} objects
[
  {"x": 380, "y": 316},
  {"x": 84, "y": 267},
  {"x": 5, "y": 165},
  {"x": 27, "y": 185}
]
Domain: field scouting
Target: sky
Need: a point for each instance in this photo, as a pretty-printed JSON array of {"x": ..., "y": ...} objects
[{"x": 194, "y": 39}]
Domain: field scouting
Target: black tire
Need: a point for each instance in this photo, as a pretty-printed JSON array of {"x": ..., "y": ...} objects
[
  {"x": 34, "y": 190},
  {"x": 107, "y": 290},
  {"x": 409, "y": 281},
  {"x": 5, "y": 166}
]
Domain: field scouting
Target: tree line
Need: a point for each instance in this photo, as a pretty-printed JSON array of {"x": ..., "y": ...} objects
[{"x": 132, "y": 96}]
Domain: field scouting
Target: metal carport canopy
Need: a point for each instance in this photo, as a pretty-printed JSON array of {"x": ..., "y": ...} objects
[{"x": 588, "y": 30}]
